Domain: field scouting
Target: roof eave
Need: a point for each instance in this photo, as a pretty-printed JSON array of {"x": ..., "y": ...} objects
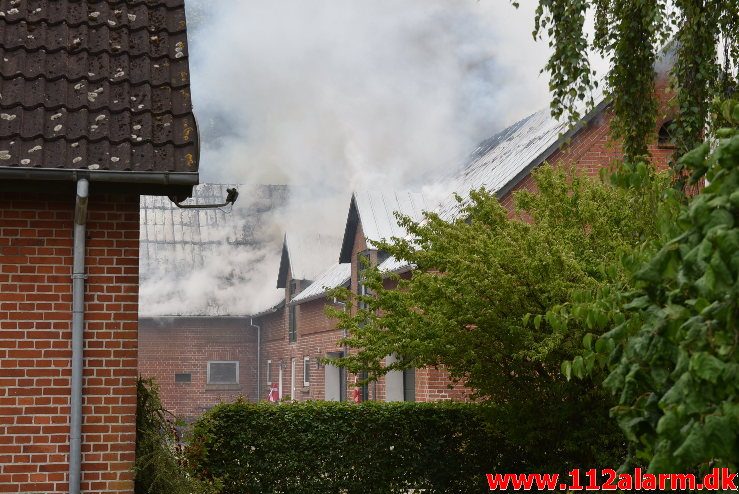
[
  {"x": 317, "y": 296},
  {"x": 177, "y": 179}
]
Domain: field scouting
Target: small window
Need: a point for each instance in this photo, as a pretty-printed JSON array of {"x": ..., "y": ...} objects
[
  {"x": 183, "y": 377},
  {"x": 363, "y": 262},
  {"x": 269, "y": 372},
  {"x": 665, "y": 138},
  {"x": 223, "y": 373},
  {"x": 306, "y": 371},
  {"x": 292, "y": 325},
  {"x": 363, "y": 388}
]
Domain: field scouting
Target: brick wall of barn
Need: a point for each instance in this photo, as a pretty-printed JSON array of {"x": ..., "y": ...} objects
[
  {"x": 35, "y": 342},
  {"x": 184, "y": 345}
]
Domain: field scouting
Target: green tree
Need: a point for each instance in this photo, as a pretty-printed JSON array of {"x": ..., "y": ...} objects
[
  {"x": 629, "y": 33},
  {"x": 475, "y": 280},
  {"x": 671, "y": 344}
]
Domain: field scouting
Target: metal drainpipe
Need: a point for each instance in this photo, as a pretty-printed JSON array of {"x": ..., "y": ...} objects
[
  {"x": 259, "y": 357},
  {"x": 78, "y": 326}
]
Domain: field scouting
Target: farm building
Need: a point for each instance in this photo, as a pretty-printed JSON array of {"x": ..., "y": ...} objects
[
  {"x": 293, "y": 335},
  {"x": 94, "y": 111},
  {"x": 198, "y": 267}
]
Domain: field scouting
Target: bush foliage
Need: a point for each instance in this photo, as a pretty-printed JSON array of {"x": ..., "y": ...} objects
[
  {"x": 331, "y": 447},
  {"x": 477, "y": 277},
  {"x": 159, "y": 462},
  {"x": 671, "y": 342}
]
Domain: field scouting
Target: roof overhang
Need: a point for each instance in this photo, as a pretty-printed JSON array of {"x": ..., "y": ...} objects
[{"x": 145, "y": 182}]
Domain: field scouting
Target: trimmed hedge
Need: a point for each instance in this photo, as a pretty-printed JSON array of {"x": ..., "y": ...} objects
[{"x": 329, "y": 447}]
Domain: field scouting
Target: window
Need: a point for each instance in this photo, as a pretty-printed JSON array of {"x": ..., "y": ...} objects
[
  {"x": 306, "y": 372},
  {"x": 223, "y": 373},
  {"x": 183, "y": 377},
  {"x": 269, "y": 372},
  {"x": 363, "y": 262},
  {"x": 363, "y": 388},
  {"x": 665, "y": 138},
  {"x": 409, "y": 385},
  {"x": 292, "y": 328}
]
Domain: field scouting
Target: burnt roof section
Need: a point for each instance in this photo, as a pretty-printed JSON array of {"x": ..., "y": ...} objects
[{"x": 96, "y": 85}]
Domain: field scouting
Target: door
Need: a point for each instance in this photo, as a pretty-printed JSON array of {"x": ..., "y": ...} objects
[{"x": 335, "y": 380}]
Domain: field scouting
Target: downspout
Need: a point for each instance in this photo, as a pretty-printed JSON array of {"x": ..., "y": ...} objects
[
  {"x": 78, "y": 327},
  {"x": 259, "y": 357}
]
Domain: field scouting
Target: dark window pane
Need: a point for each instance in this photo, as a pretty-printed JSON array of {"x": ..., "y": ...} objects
[
  {"x": 222, "y": 373},
  {"x": 409, "y": 385},
  {"x": 183, "y": 378},
  {"x": 292, "y": 325}
]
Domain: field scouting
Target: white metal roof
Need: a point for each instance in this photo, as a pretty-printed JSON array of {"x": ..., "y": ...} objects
[
  {"x": 311, "y": 253},
  {"x": 377, "y": 212},
  {"x": 204, "y": 261},
  {"x": 393, "y": 265},
  {"x": 336, "y": 276},
  {"x": 507, "y": 157}
]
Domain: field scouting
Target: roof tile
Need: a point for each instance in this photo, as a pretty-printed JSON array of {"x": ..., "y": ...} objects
[{"x": 101, "y": 84}]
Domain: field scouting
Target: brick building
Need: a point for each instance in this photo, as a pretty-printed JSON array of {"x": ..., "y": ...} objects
[
  {"x": 294, "y": 334},
  {"x": 95, "y": 110},
  {"x": 199, "y": 361}
]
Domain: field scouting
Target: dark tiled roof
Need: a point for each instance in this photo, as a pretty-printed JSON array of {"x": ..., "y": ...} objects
[{"x": 99, "y": 84}]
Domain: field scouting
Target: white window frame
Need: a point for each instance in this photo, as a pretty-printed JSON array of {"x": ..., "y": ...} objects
[
  {"x": 306, "y": 372},
  {"x": 269, "y": 372},
  {"x": 224, "y": 362}
]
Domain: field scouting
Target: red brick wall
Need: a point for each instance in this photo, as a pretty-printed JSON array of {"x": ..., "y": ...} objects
[
  {"x": 35, "y": 342},
  {"x": 593, "y": 149},
  {"x": 171, "y": 345},
  {"x": 317, "y": 336}
]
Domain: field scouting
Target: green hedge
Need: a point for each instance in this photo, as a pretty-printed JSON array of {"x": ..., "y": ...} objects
[{"x": 325, "y": 447}]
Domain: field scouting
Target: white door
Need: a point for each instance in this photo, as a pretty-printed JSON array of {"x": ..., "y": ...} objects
[
  {"x": 393, "y": 381},
  {"x": 333, "y": 382},
  {"x": 279, "y": 383},
  {"x": 292, "y": 379}
]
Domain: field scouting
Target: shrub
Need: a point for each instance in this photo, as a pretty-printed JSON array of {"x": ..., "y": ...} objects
[
  {"x": 159, "y": 459},
  {"x": 329, "y": 447}
]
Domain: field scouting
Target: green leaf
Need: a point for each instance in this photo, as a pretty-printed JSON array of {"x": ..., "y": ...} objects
[
  {"x": 587, "y": 341},
  {"x": 566, "y": 369},
  {"x": 578, "y": 367},
  {"x": 706, "y": 366}
]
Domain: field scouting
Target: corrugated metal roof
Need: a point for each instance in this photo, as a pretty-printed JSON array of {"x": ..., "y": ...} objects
[
  {"x": 310, "y": 254},
  {"x": 504, "y": 159},
  {"x": 307, "y": 254},
  {"x": 393, "y": 265},
  {"x": 377, "y": 212},
  {"x": 99, "y": 84},
  {"x": 201, "y": 261},
  {"x": 336, "y": 276}
]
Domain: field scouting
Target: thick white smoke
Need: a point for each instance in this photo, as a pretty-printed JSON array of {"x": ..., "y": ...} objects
[{"x": 328, "y": 96}]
